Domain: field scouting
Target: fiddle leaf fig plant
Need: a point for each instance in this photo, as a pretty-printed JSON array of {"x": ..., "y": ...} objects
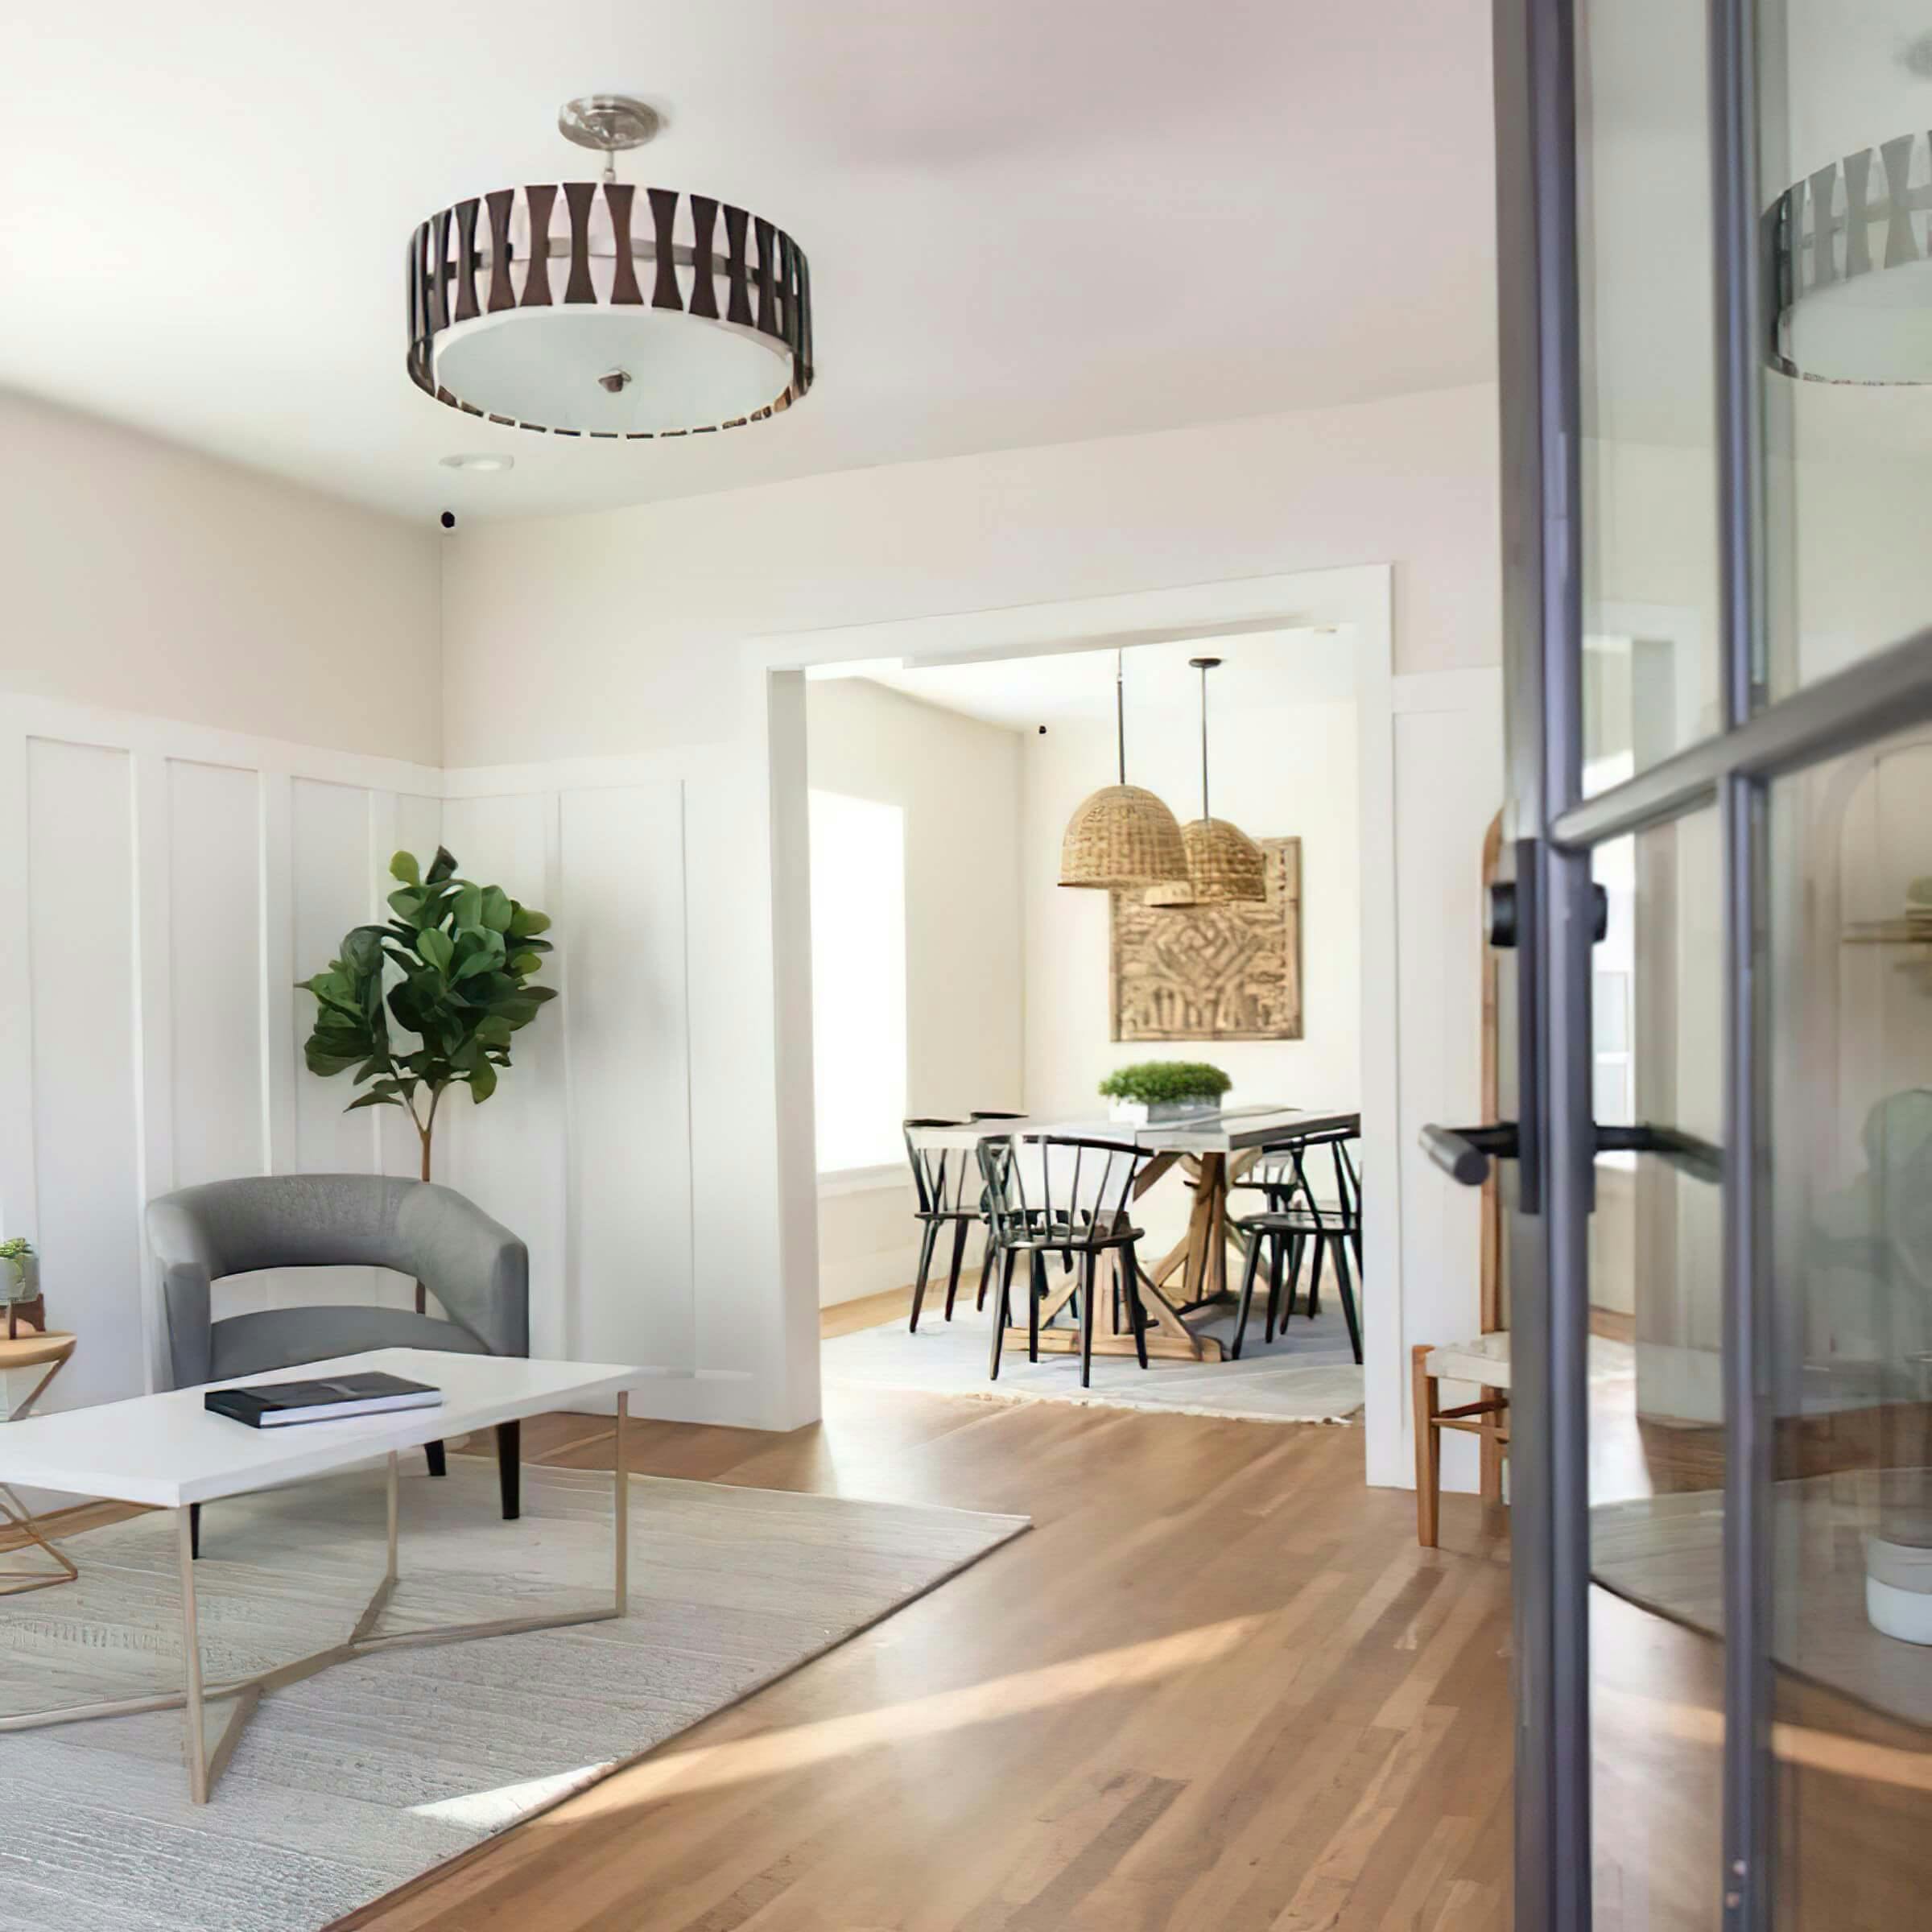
[{"x": 432, "y": 1000}]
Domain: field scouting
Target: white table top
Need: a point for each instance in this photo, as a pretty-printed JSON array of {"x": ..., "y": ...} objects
[
  {"x": 1228, "y": 1133},
  {"x": 168, "y": 1450}
]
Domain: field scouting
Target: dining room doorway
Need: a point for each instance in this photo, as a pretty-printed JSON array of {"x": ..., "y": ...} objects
[{"x": 956, "y": 980}]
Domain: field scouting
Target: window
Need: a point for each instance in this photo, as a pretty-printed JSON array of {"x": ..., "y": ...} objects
[{"x": 858, "y": 980}]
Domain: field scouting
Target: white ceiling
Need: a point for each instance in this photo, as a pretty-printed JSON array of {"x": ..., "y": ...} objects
[
  {"x": 1260, "y": 671},
  {"x": 1028, "y": 221}
]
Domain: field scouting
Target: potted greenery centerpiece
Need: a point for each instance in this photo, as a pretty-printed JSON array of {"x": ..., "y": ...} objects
[{"x": 1164, "y": 1090}]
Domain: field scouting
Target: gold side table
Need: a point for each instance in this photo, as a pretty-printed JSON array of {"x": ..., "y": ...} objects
[{"x": 29, "y": 1350}]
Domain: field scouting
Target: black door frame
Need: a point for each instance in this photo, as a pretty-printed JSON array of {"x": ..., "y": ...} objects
[{"x": 1553, "y": 830}]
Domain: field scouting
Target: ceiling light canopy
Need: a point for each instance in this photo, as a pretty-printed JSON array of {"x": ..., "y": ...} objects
[
  {"x": 592, "y": 309},
  {"x": 1121, "y": 836}
]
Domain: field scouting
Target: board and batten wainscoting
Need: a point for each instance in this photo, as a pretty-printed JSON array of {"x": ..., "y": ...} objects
[{"x": 165, "y": 887}]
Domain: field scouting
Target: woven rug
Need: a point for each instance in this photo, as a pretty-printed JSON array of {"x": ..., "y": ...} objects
[
  {"x": 346, "y": 1784},
  {"x": 1307, "y": 1375}
]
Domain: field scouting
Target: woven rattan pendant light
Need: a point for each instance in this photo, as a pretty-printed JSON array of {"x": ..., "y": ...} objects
[
  {"x": 1225, "y": 866},
  {"x": 1122, "y": 837}
]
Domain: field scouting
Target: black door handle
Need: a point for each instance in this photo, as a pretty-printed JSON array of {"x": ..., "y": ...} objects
[{"x": 1464, "y": 1152}]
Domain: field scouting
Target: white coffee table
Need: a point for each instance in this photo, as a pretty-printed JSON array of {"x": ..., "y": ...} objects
[{"x": 168, "y": 1451}]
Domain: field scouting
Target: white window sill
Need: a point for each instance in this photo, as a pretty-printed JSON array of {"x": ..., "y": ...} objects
[{"x": 865, "y": 1180}]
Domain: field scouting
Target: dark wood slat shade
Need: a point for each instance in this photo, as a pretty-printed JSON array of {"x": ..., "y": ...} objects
[
  {"x": 703, "y": 264},
  {"x": 768, "y": 317},
  {"x": 536, "y": 274},
  {"x": 579, "y": 195},
  {"x": 438, "y": 271},
  {"x": 738, "y": 306},
  {"x": 467, "y": 307},
  {"x": 664, "y": 215},
  {"x": 501, "y": 294},
  {"x": 624, "y": 273}
]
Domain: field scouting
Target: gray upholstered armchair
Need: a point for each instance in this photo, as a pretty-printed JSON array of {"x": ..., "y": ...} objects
[{"x": 476, "y": 1268}]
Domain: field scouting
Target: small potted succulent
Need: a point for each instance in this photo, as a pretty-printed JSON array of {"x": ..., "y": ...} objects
[
  {"x": 1164, "y": 1090},
  {"x": 19, "y": 1270}
]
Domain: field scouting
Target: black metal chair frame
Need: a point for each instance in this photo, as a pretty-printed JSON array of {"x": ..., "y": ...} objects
[
  {"x": 1294, "y": 1218},
  {"x": 1085, "y": 1223}
]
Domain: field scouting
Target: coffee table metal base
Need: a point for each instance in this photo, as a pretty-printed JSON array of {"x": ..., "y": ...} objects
[{"x": 206, "y": 1761}]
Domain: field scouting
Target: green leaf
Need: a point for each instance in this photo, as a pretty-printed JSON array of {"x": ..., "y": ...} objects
[
  {"x": 372, "y": 1099},
  {"x": 442, "y": 867},
  {"x": 468, "y": 906},
  {"x": 406, "y": 902},
  {"x": 525, "y": 963},
  {"x": 494, "y": 1030},
  {"x": 403, "y": 866},
  {"x": 468, "y": 969},
  {"x": 526, "y": 922},
  {"x": 482, "y": 1082},
  {"x": 496, "y": 908},
  {"x": 436, "y": 947}
]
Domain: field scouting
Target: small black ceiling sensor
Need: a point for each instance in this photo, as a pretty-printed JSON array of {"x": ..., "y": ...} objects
[
  {"x": 448, "y": 519},
  {"x": 1042, "y": 731}
]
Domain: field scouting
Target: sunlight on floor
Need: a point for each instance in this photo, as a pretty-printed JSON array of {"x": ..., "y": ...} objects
[{"x": 711, "y": 1767}]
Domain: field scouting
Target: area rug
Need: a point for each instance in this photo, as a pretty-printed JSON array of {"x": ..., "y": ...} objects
[
  {"x": 1308, "y": 1374},
  {"x": 346, "y": 1785}
]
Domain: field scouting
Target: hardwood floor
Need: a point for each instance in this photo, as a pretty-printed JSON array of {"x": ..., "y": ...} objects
[{"x": 1217, "y": 1686}]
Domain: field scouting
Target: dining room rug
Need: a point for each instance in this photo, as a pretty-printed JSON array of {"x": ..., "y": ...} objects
[
  {"x": 346, "y": 1784},
  {"x": 1308, "y": 1374}
]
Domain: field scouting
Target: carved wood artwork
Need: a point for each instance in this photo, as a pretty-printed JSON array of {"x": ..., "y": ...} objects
[{"x": 1212, "y": 972}]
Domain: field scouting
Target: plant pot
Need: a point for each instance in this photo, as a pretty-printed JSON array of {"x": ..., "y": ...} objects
[
  {"x": 1153, "y": 1113},
  {"x": 1898, "y": 1589},
  {"x": 20, "y": 1279}
]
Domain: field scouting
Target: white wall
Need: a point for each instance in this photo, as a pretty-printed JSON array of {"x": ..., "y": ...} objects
[
  {"x": 958, "y": 781},
  {"x": 1290, "y": 769},
  {"x": 144, "y": 577},
  {"x": 630, "y": 614}
]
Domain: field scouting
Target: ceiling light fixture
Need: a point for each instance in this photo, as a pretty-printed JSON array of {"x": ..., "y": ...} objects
[
  {"x": 1850, "y": 286},
  {"x": 593, "y": 309},
  {"x": 479, "y": 459},
  {"x": 1121, "y": 837},
  {"x": 1225, "y": 866}
]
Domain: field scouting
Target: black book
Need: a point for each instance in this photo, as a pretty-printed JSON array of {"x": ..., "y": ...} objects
[{"x": 327, "y": 1399}]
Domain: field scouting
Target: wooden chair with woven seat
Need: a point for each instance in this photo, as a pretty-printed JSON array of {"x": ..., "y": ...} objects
[
  {"x": 1484, "y": 1361},
  {"x": 1061, "y": 1195}
]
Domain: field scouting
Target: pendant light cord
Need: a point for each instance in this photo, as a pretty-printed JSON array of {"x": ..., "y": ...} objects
[
  {"x": 1120, "y": 708},
  {"x": 1204, "y": 812}
]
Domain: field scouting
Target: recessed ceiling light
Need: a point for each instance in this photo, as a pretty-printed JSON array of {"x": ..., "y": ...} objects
[{"x": 481, "y": 461}]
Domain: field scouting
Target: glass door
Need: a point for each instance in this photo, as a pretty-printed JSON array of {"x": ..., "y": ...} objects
[{"x": 1716, "y": 1136}]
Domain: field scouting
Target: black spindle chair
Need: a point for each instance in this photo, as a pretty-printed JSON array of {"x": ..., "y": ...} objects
[
  {"x": 947, "y": 1189},
  {"x": 1057, "y": 1194},
  {"x": 993, "y": 1245},
  {"x": 1296, "y": 1218}
]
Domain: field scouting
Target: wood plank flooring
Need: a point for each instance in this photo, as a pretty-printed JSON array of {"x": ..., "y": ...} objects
[{"x": 1217, "y": 1686}]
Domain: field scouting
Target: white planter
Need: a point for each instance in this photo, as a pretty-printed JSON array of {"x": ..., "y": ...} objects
[
  {"x": 1898, "y": 1590},
  {"x": 1139, "y": 1113},
  {"x": 19, "y": 1277}
]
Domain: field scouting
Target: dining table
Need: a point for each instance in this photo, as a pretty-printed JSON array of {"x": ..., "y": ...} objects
[{"x": 1213, "y": 1151}]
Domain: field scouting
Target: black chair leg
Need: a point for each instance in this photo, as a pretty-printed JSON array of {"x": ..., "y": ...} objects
[
  {"x": 1136, "y": 1305},
  {"x": 194, "y": 1529},
  {"x": 1348, "y": 1291},
  {"x": 1086, "y": 1297},
  {"x": 986, "y": 1262},
  {"x": 926, "y": 1240},
  {"x": 509, "y": 1469},
  {"x": 433, "y": 1454},
  {"x": 1314, "y": 1278},
  {"x": 959, "y": 1256},
  {"x": 1248, "y": 1273},
  {"x": 1297, "y": 1249},
  {"x": 1036, "y": 1292},
  {"x": 1003, "y": 1313}
]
